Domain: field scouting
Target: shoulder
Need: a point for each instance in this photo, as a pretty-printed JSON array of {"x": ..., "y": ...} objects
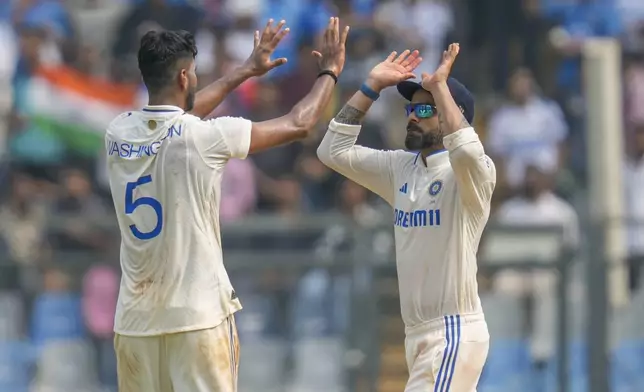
[
  {"x": 121, "y": 119},
  {"x": 121, "y": 123},
  {"x": 227, "y": 122}
]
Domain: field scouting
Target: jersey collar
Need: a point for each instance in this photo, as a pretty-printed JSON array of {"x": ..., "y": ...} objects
[
  {"x": 161, "y": 109},
  {"x": 433, "y": 159}
]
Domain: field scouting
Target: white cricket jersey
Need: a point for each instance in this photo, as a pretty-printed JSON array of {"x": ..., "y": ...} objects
[
  {"x": 440, "y": 211},
  {"x": 165, "y": 169}
]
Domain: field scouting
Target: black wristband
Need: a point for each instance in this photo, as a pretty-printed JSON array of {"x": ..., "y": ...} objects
[{"x": 330, "y": 73}]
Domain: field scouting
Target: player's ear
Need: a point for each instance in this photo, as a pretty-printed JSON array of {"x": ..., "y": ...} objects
[{"x": 184, "y": 82}]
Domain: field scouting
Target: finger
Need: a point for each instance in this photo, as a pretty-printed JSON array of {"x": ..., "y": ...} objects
[
  {"x": 276, "y": 40},
  {"x": 345, "y": 34},
  {"x": 317, "y": 54},
  {"x": 337, "y": 30},
  {"x": 331, "y": 36},
  {"x": 425, "y": 75},
  {"x": 409, "y": 75},
  {"x": 279, "y": 26},
  {"x": 402, "y": 56},
  {"x": 410, "y": 59},
  {"x": 328, "y": 31},
  {"x": 415, "y": 63},
  {"x": 454, "y": 49},
  {"x": 277, "y": 63},
  {"x": 267, "y": 29},
  {"x": 335, "y": 33},
  {"x": 391, "y": 57},
  {"x": 256, "y": 38}
]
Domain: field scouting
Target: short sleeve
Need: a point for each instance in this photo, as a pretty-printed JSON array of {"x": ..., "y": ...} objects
[{"x": 224, "y": 137}]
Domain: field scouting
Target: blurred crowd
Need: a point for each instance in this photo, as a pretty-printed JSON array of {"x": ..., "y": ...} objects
[{"x": 68, "y": 66}]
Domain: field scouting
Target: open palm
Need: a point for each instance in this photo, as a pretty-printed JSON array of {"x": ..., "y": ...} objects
[
  {"x": 260, "y": 61},
  {"x": 445, "y": 67},
  {"x": 395, "y": 69}
]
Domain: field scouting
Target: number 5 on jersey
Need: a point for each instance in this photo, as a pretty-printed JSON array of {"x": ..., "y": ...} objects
[{"x": 131, "y": 205}]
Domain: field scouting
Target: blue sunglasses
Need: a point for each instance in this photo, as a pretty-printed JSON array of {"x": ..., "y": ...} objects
[{"x": 422, "y": 110}]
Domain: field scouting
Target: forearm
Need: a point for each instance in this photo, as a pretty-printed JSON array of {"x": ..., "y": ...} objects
[
  {"x": 307, "y": 112},
  {"x": 298, "y": 123},
  {"x": 211, "y": 96},
  {"x": 450, "y": 116},
  {"x": 353, "y": 112}
]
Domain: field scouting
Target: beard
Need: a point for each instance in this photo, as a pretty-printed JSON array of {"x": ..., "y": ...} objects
[
  {"x": 417, "y": 139},
  {"x": 190, "y": 99}
]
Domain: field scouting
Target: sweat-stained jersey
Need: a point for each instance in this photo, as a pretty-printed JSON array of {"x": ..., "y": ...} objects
[
  {"x": 165, "y": 169},
  {"x": 440, "y": 211}
]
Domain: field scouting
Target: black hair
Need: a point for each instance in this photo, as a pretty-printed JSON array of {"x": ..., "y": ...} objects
[{"x": 159, "y": 53}]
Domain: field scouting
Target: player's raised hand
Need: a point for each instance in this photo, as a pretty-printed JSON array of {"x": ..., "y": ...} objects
[
  {"x": 442, "y": 72},
  {"x": 395, "y": 69},
  {"x": 331, "y": 55},
  {"x": 260, "y": 61}
]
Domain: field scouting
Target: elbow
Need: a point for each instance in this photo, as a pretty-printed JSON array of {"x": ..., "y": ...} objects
[
  {"x": 302, "y": 123},
  {"x": 323, "y": 154}
]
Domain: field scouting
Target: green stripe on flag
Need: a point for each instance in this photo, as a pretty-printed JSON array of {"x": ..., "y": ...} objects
[{"x": 80, "y": 140}]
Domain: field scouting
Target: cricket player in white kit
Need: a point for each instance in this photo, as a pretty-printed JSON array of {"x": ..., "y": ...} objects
[
  {"x": 174, "y": 324},
  {"x": 440, "y": 191}
]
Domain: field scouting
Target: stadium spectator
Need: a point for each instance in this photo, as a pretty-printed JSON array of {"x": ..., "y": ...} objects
[
  {"x": 526, "y": 130},
  {"x": 538, "y": 206}
]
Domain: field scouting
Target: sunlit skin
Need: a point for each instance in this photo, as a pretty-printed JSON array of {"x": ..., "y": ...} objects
[{"x": 423, "y": 134}]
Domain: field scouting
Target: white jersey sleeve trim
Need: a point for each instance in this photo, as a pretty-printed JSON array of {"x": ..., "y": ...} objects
[
  {"x": 236, "y": 132},
  {"x": 345, "y": 129}
]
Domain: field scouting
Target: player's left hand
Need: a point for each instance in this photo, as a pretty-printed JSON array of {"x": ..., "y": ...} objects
[
  {"x": 259, "y": 62},
  {"x": 394, "y": 69},
  {"x": 443, "y": 70}
]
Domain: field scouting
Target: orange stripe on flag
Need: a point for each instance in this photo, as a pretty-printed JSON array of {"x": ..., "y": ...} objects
[{"x": 89, "y": 87}]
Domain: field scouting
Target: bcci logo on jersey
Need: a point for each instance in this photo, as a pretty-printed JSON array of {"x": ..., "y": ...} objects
[{"x": 435, "y": 187}]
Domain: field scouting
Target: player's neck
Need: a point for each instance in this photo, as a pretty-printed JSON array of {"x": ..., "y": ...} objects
[
  {"x": 166, "y": 100},
  {"x": 430, "y": 151}
]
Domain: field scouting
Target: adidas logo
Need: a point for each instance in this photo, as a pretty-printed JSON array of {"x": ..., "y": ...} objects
[{"x": 403, "y": 189}]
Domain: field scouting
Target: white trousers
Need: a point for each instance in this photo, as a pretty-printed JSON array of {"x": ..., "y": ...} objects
[
  {"x": 447, "y": 354},
  {"x": 206, "y": 360}
]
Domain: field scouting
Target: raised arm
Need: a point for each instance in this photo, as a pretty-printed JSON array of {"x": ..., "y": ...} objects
[
  {"x": 368, "y": 167},
  {"x": 259, "y": 63},
  {"x": 475, "y": 171},
  {"x": 305, "y": 114}
]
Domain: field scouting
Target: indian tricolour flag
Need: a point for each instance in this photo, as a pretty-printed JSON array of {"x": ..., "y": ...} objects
[{"x": 76, "y": 107}]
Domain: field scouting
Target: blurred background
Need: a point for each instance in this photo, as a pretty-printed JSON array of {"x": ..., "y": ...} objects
[{"x": 311, "y": 254}]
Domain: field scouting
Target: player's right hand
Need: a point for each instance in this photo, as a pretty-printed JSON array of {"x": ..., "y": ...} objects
[
  {"x": 394, "y": 69},
  {"x": 331, "y": 55},
  {"x": 260, "y": 61}
]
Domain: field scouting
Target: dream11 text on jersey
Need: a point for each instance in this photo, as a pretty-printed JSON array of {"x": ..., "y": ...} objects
[{"x": 417, "y": 218}]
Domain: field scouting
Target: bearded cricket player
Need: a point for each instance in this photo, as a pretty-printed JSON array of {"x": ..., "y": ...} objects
[
  {"x": 440, "y": 191},
  {"x": 174, "y": 323}
]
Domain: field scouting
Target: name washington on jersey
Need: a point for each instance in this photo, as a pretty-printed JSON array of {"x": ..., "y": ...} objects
[{"x": 129, "y": 150}]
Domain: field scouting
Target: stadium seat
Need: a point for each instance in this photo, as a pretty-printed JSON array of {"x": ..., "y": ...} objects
[
  {"x": 15, "y": 360},
  {"x": 56, "y": 316},
  {"x": 11, "y": 316},
  {"x": 627, "y": 366},
  {"x": 577, "y": 368},
  {"x": 508, "y": 367},
  {"x": 66, "y": 366}
]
